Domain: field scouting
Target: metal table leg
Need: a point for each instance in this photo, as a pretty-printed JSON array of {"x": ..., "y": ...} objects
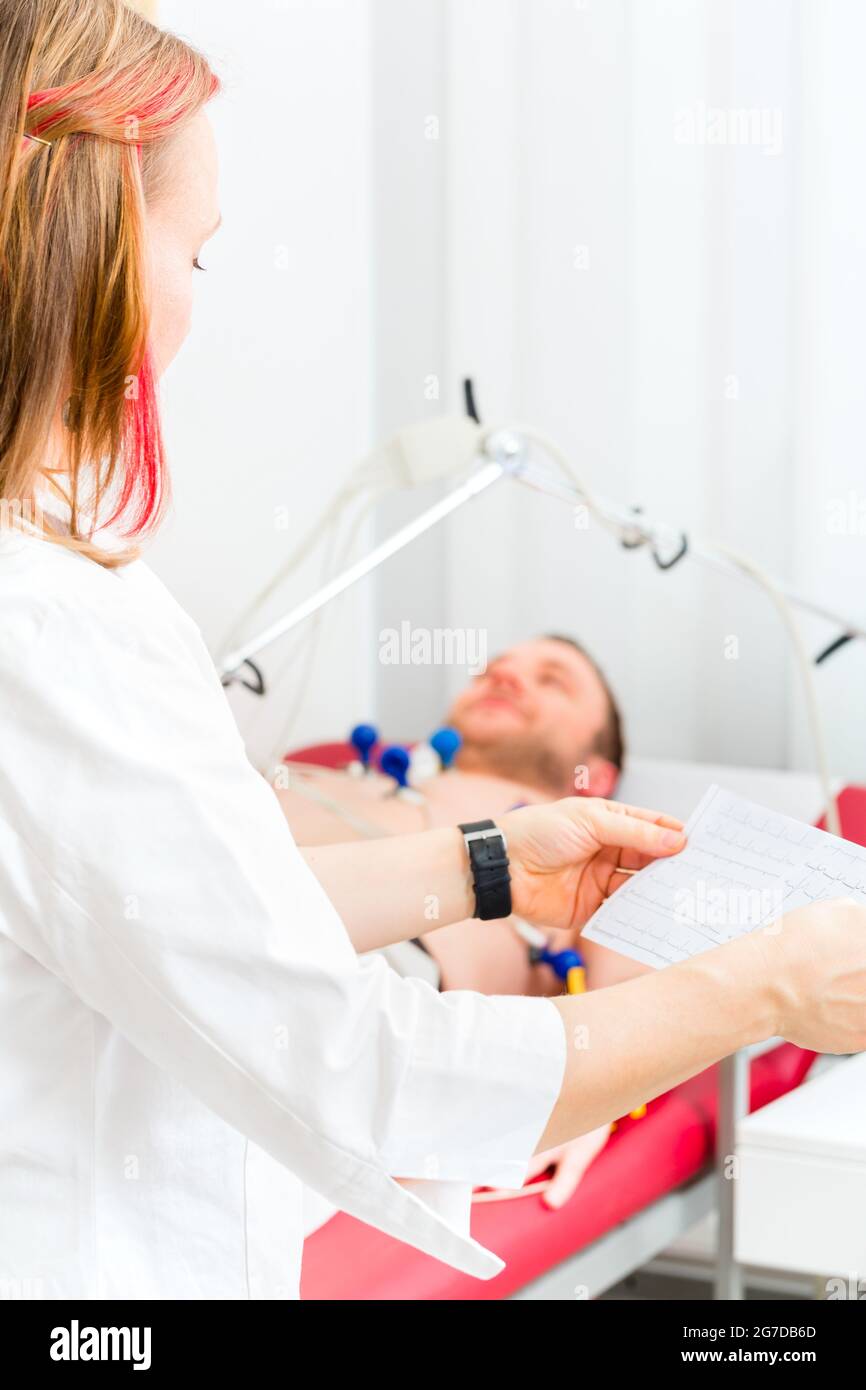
[{"x": 733, "y": 1105}]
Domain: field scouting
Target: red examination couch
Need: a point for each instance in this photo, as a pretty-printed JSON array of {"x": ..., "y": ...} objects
[{"x": 642, "y": 1161}]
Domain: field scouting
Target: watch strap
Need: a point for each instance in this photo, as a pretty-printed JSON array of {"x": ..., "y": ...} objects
[{"x": 488, "y": 858}]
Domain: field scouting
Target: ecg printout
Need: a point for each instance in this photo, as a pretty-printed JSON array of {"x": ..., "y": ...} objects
[{"x": 742, "y": 867}]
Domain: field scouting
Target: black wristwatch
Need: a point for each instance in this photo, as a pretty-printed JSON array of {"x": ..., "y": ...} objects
[{"x": 488, "y": 856}]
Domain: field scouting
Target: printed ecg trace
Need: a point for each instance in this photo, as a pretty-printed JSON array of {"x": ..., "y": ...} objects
[{"x": 742, "y": 868}]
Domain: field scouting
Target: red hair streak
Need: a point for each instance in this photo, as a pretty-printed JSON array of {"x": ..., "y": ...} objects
[{"x": 144, "y": 476}]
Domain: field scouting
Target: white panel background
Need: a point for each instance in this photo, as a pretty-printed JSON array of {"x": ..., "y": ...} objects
[{"x": 411, "y": 258}]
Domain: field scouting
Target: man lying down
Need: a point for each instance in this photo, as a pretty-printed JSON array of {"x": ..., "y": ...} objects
[{"x": 539, "y": 723}]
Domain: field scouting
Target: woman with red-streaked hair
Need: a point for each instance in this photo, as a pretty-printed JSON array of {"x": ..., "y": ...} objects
[{"x": 187, "y": 1033}]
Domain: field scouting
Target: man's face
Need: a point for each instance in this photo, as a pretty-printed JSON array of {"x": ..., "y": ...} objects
[{"x": 540, "y": 705}]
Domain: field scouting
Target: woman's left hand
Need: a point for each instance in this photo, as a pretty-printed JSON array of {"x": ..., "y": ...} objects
[
  {"x": 569, "y": 1162},
  {"x": 566, "y": 857}
]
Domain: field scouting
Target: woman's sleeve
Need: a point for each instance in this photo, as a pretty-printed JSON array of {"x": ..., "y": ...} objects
[{"x": 157, "y": 877}]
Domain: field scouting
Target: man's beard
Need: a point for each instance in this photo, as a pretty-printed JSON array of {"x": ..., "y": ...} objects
[{"x": 522, "y": 760}]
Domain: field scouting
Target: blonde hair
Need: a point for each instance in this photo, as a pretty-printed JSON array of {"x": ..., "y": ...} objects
[{"x": 90, "y": 95}]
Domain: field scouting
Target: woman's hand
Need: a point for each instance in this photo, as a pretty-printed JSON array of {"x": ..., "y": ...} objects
[
  {"x": 569, "y": 1162},
  {"x": 567, "y": 857},
  {"x": 814, "y": 964}
]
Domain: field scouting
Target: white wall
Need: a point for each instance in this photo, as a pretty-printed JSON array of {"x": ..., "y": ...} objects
[
  {"x": 270, "y": 403},
  {"x": 409, "y": 235},
  {"x": 602, "y": 306},
  {"x": 829, "y": 415},
  {"x": 684, "y": 318}
]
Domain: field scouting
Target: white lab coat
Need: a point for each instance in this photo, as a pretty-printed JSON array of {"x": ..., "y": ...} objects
[{"x": 186, "y": 1033}]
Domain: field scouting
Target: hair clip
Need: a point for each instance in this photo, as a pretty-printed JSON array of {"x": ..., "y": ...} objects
[{"x": 37, "y": 138}]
